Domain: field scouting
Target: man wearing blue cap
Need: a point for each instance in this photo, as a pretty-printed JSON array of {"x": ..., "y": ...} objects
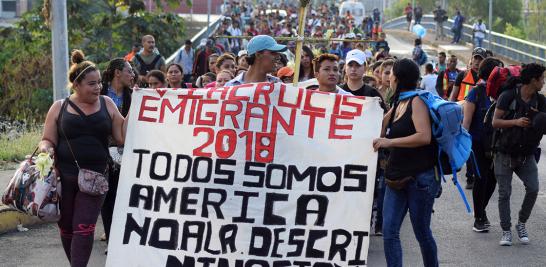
[{"x": 263, "y": 51}]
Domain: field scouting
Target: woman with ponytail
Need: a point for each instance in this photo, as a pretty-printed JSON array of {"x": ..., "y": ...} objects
[
  {"x": 409, "y": 174},
  {"x": 77, "y": 128},
  {"x": 116, "y": 84}
]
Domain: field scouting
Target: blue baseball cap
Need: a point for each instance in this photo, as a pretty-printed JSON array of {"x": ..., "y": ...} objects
[{"x": 264, "y": 42}]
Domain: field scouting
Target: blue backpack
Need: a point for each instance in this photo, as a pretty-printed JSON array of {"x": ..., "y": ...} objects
[
  {"x": 454, "y": 142},
  {"x": 422, "y": 59}
]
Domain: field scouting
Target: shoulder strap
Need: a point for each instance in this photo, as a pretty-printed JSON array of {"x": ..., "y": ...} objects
[
  {"x": 403, "y": 96},
  {"x": 63, "y": 107},
  {"x": 408, "y": 94},
  {"x": 156, "y": 59},
  {"x": 104, "y": 107},
  {"x": 76, "y": 108},
  {"x": 64, "y": 134},
  {"x": 139, "y": 59},
  {"x": 147, "y": 67}
]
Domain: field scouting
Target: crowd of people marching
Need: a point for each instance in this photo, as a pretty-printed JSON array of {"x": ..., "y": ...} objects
[{"x": 93, "y": 116}]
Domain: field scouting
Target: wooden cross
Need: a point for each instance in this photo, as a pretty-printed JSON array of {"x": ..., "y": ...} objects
[{"x": 300, "y": 38}]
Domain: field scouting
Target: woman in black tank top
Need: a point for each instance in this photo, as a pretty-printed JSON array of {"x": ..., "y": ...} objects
[
  {"x": 410, "y": 177},
  {"x": 83, "y": 122}
]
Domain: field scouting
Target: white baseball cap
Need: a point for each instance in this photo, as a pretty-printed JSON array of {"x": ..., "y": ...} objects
[
  {"x": 357, "y": 56},
  {"x": 242, "y": 53}
]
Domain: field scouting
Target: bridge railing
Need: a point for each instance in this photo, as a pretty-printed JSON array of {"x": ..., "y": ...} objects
[
  {"x": 507, "y": 46},
  {"x": 196, "y": 39}
]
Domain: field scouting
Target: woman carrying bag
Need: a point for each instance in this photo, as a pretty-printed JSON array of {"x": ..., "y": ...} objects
[{"x": 76, "y": 131}]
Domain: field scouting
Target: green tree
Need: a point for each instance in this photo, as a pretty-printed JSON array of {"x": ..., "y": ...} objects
[
  {"x": 515, "y": 31},
  {"x": 536, "y": 21},
  {"x": 504, "y": 11},
  {"x": 397, "y": 9},
  {"x": 102, "y": 29}
]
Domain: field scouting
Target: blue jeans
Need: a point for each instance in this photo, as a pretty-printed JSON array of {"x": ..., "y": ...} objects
[
  {"x": 418, "y": 198},
  {"x": 478, "y": 42},
  {"x": 457, "y": 35}
]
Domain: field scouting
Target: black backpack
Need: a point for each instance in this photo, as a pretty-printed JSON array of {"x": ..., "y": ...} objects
[
  {"x": 509, "y": 140},
  {"x": 490, "y": 133},
  {"x": 145, "y": 68}
]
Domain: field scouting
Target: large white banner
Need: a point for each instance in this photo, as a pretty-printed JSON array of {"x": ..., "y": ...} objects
[{"x": 252, "y": 175}]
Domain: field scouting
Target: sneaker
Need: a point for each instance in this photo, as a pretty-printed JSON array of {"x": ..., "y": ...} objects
[
  {"x": 522, "y": 233},
  {"x": 103, "y": 237},
  {"x": 378, "y": 231},
  {"x": 506, "y": 239},
  {"x": 469, "y": 183},
  {"x": 486, "y": 222},
  {"x": 480, "y": 227}
]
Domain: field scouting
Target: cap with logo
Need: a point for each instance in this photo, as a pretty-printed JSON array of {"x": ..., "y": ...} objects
[
  {"x": 264, "y": 42},
  {"x": 357, "y": 56},
  {"x": 479, "y": 51}
]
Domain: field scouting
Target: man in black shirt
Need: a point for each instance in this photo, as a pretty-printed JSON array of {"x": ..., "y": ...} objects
[
  {"x": 355, "y": 67},
  {"x": 517, "y": 146}
]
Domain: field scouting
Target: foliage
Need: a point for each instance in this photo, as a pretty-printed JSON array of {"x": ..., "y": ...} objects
[
  {"x": 103, "y": 29},
  {"x": 536, "y": 21},
  {"x": 25, "y": 70},
  {"x": 505, "y": 11},
  {"x": 16, "y": 149},
  {"x": 108, "y": 28},
  {"x": 514, "y": 31},
  {"x": 397, "y": 9}
]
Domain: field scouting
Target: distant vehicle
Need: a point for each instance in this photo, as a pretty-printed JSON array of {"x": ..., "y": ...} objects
[{"x": 356, "y": 8}]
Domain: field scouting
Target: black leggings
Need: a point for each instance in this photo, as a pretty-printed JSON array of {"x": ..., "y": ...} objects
[
  {"x": 484, "y": 185},
  {"x": 79, "y": 213},
  {"x": 107, "y": 210}
]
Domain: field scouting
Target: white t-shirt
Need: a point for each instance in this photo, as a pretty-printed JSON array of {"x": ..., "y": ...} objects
[
  {"x": 235, "y": 31},
  {"x": 479, "y": 30},
  {"x": 428, "y": 83}
]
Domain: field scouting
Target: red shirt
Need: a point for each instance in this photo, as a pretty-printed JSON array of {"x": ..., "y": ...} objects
[{"x": 130, "y": 56}]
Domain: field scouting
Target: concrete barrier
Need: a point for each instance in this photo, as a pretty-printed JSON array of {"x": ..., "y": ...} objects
[{"x": 501, "y": 44}]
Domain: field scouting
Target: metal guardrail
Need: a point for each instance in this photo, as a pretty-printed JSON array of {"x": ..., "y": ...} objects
[
  {"x": 507, "y": 46},
  {"x": 196, "y": 39}
]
